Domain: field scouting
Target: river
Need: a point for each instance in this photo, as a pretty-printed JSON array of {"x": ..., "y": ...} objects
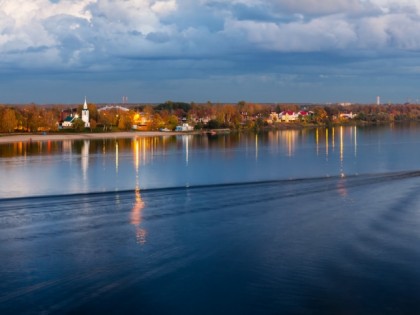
[{"x": 320, "y": 221}]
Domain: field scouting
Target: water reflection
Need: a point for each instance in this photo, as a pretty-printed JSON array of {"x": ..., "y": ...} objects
[
  {"x": 67, "y": 146},
  {"x": 116, "y": 157},
  {"x": 290, "y": 136},
  {"x": 341, "y": 144},
  {"x": 84, "y": 155},
  {"x": 170, "y": 161},
  {"x": 136, "y": 212},
  {"x": 341, "y": 187},
  {"x": 326, "y": 144},
  {"x": 355, "y": 141},
  {"x": 136, "y": 218},
  {"x": 186, "y": 143},
  {"x": 280, "y": 141},
  {"x": 256, "y": 147}
]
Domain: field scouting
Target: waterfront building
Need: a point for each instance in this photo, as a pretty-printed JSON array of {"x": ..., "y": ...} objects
[{"x": 85, "y": 114}]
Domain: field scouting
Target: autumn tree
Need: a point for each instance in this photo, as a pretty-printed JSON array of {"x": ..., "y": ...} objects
[
  {"x": 93, "y": 124},
  {"x": 48, "y": 120},
  {"x": 124, "y": 121},
  {"x": 157, "y": 122},
  {"x": 320, "y": 115},
  {"x": 8, "y": 120},
  {"x": 171, "y": 122},
  {"x": 106, "y": 119},
  {"x": 32, "y": 117},
  {"x": 78, "y": 124}
]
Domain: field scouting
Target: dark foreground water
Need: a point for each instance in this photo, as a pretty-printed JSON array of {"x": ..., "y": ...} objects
[
  {"x": 328, "y": 244},
  {"x": 318, "y": 246}
]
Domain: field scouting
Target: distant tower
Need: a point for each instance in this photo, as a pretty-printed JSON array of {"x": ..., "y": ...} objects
[
  {"x": 378, "y": 100},
  {"x": 85, "y": 114}
]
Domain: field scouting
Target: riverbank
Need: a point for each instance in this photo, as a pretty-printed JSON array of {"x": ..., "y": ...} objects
[{"x": 86, "y": 136}]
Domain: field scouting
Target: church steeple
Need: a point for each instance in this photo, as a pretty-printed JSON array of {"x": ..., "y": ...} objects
[{"x": 85, "y": 114}]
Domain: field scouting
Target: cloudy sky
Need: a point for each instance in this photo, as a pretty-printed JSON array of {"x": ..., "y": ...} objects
[{"x": 218, "y": 50}]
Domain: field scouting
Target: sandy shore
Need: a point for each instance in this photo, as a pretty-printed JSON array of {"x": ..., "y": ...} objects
[{"x": 84, "y": 136}]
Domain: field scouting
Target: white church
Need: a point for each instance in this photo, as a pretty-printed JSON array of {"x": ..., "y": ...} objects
[
  {"x": 85, "y": 114},
  {"x": 68, "y": 121}
]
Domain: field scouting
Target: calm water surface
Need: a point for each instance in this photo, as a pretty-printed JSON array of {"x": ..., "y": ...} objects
[{"x": 289, "y": 222}]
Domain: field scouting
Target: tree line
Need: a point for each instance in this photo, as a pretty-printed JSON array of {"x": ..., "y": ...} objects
[{"x": 243, "y": 115}]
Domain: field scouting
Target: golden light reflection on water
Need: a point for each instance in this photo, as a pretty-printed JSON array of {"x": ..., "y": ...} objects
[
  {"x": 291, "y": 137},
  {"x": 256, "y": 147},
  {"x": 136, "y": 218},
  {"x": 326, "y": 143},
  {"x": 355, "y": 141},
  {"x": 282, "y": 140},
  {"x": 136, "y": 212},
  {"x": 116, "y": 157},
  {"x": 351, "y": 138},
  {"x": 341, "y": 144}
]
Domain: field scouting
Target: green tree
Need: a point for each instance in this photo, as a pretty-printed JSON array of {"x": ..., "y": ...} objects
[{"x": 213, "y": 124}]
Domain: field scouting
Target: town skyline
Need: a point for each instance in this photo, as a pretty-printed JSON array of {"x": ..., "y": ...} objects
[{"x": 262, "y": 51}]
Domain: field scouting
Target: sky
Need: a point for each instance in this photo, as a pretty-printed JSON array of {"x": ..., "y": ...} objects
[{"x": 151, "y": 51}]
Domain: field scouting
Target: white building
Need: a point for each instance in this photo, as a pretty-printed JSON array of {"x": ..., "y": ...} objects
[
  {"x": 347, "y": 116},
  {"x": 288, "y": 116},
  {"x": 68, "y": 121},
  {"x": 184, "y": 127},
  {"x": 85, "y": 115}
]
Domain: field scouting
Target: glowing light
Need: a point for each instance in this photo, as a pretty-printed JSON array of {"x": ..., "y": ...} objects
[
  {"x": 136, "y": 218},
  {"x": 289, "y": 136},
  {"x": 341, "y": 152},
  {"x": 341, "y": 144},
  {"x": 341, "y": 187},
  {"x": 326, "y": 142},
  {"x": 317, "y": 141},
  {"x": 186, "y": 141},
  {"x": 355, "y": 141},
  {"x": 116, "y": 156},
  {"x": 85, "y": 158},
  {"x": 136, "y": 212},
  {"x": 136, "y": 155},
  {"x": 256, "y": 147}
]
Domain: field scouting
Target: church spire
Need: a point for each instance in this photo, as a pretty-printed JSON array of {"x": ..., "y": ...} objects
[{"x": 85, "y": 114}]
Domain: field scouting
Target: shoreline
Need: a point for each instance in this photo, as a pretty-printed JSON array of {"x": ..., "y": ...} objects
[
  {"x": 37, "y": 137},
  {"x": 88, "y": 136}
]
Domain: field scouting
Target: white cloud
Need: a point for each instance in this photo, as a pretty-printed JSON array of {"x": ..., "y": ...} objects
[
  {"x": 378, "y": 25},
  {"x": 98, "y": 34},
  {"x": 315, "y": 35},
  {"x": 164, "y": 7}
]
